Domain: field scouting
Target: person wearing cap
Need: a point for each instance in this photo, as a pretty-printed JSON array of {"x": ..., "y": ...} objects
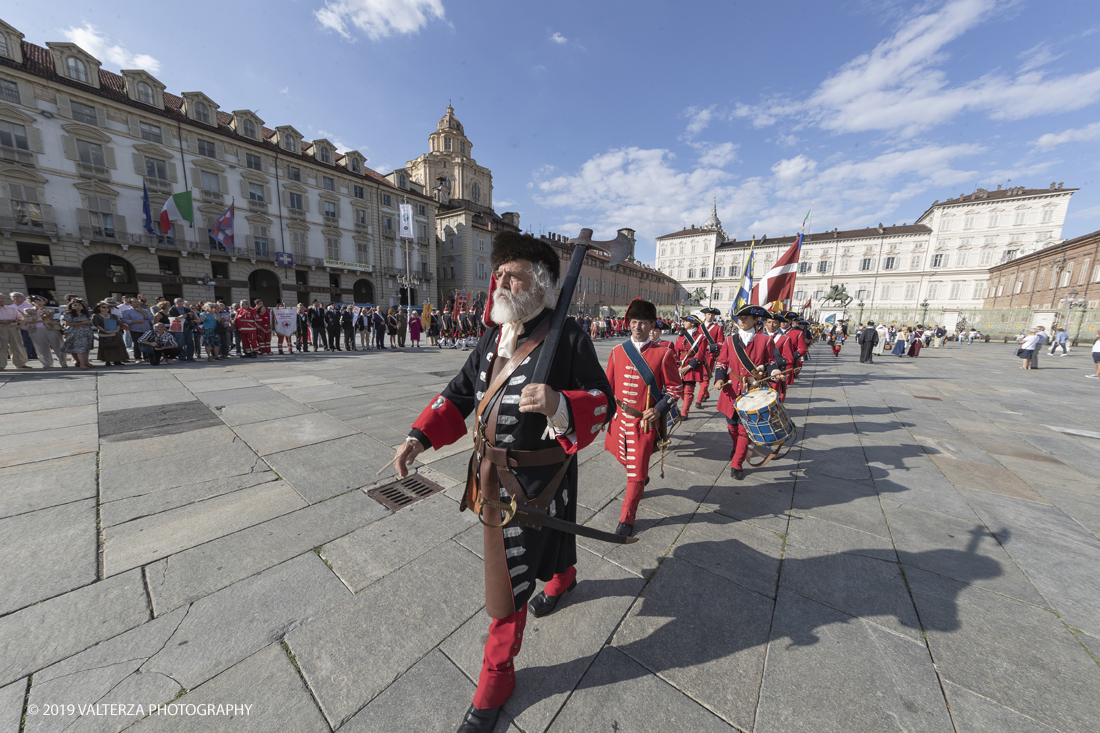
[
  {"x": 867, "y": 340},
  {"x": 797, "y": 331},
  {"x": 714, "y": 329},
  {"x": 785, "y": 347},
  {"x": 732, "y": 379},
  {"x": 643, "y": 398},
  {"x": 527, "y": 438},
  {"x": 691, "y": 351}
]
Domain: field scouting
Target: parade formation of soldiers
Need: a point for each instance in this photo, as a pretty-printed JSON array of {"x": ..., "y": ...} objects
[{"x": 523, "y": 478}]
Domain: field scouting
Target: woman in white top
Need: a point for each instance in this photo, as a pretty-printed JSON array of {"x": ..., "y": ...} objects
[
  {"x": 1096, "y": 357},
  {"x": 1027, "y": 348}
]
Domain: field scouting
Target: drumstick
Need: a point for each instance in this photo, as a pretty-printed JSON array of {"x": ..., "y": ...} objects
[{"x": 645, "y": 422}]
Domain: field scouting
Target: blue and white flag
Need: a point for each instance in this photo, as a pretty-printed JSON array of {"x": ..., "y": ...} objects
[{"x": 146, "y": 209}]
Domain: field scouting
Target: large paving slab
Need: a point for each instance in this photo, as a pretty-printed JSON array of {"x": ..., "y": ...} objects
[
  {"x": 47, "y": 483},
  {"x": 65, "y": 534},
  {"x": 333, "y": 467},
  {"x": 149, "y": 538},
  {"x": 811, "y": 643},
  {"x": 348, "y": 658}
]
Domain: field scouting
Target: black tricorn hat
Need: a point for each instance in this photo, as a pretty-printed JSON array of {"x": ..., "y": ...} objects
[
  {"x": 642, "y": 310},
  {"x": 753, "y": 310},
  {"x": 511, "y": 246}
]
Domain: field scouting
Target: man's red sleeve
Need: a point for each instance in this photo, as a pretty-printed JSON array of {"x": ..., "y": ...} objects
[{"x": 441, "y": 422}]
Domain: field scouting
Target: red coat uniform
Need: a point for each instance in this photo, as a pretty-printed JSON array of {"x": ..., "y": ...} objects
[
  {"x": 785, "y": 345},
  {"x": 249, "y": 327},
  {"x": 715, "y": 331},
  {"x": 263, "y": 330},
  {"x": 626, "y": 439},
  {"x": 729, "y": 367},
  {"x": 694, "y": 359}
]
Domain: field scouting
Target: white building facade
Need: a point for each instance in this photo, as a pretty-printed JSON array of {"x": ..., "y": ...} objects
[
  {"x": 942, "y": 259},
  {"x": 79, "y": 143}
]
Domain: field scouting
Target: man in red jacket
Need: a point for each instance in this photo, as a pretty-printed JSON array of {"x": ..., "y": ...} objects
[
  {"x": 712, "y": 327},
  {"x": 733, "y": 378},
  {"x": 646, "y": 382},
  {"x": 691, "y": 351},
  {"x": 785, "y": 346}
]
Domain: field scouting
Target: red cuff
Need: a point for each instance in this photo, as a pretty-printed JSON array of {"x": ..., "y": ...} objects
[
  {"x": 589, "y": 411},
  {"x": 441, "y": 422}
]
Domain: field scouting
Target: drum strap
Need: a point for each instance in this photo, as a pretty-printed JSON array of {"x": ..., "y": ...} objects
[{"x": 742, "y": 355}]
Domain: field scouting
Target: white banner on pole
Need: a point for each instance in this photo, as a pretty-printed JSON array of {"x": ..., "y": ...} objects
[
  {"x": 286, "y": 322},
  {"x": 406, "y": 223}
]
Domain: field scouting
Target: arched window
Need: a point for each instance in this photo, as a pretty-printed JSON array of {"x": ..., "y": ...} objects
[
  {"x": 145, "y": 93},
  {"x": 475, "y": 193},
  {"x": 77, "y": 69},
  {"x": 202, "y": 112},
  {"x": 249, "y": 129}
]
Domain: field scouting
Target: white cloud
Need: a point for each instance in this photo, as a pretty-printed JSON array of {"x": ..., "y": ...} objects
[
  {"x": 699, "y": 119},
  {"x": 378, "y": 18},
  {"x": 898, "y": 87},
  {"x": 1038, "y": 55},
  {"x": 559, "y": 38},
  {"x": 717, "y": 155},
  {"x": 91, "y": 40},
  {"x": 1092, "y": 212},
  {"x": 645, "y": 190},
  {"x": 340, "y": 144},
  {"x": 1083, "y": 134},
  {"x": 794, "y": 169},
  {"x": 285, "y": 90},
  {"x": 788, "y": 141}
]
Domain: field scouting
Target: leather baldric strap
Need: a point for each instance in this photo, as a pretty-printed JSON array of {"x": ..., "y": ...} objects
[{"x": 628, "y": 409}]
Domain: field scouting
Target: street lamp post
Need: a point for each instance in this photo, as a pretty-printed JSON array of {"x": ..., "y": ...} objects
[
  {"x": 861, "y": 304},
  {"x": 924, "y": 312},
  {"x": 209, "y": 284},
  {"x": 1072, "y": 301}
]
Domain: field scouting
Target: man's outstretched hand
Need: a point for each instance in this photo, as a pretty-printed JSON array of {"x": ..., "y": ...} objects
[{"x": 406, "y": 454}]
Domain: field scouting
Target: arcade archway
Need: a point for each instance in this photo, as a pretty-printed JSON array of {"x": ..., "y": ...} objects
[
  {"x": 265, "y": 285},
  {"x": 363, "y": 291},
  {"x": 108, "y": 276}
]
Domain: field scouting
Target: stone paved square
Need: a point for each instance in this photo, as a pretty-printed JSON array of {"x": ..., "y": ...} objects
[{"x": 924, "y": 560}]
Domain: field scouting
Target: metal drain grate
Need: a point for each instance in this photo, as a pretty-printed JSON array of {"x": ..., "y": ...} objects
[
  {"x": 404, "y": 492},
  {"x": 935, "y": 399}
]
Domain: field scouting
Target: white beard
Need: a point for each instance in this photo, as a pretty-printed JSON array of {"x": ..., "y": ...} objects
[{"x": 509, "y": 308}]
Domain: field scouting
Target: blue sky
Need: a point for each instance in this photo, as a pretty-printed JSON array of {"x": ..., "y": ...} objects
[{"x": 609, "y": 113}]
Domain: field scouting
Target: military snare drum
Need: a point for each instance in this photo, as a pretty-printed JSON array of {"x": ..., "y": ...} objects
[{"x": 767, "y": 424}]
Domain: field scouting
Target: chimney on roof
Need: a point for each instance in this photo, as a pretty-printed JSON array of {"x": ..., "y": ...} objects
[
  {"x": 880, "y": 228},
  {"x": 1052, "y": 185},
  {"x": 998, "y": 187},
  {"x": 1059, "y": 185}
]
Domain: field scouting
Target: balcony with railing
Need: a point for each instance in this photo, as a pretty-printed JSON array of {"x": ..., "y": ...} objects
[
  {"x": 16, "y": 155},
  {"x": 29, "y": 223},
  {"x": 389, "y": 233},
  {"x": 211, "y": 197},
  {"x": 257, "y": 206},
  {"x": 158, "y": 185},
  {"x": 332, "y": 221},
  {"x": 361, "y": 228},
  {"x": 91, "y": 170},
  {"x": 98, "y": 233},
  {"x": 421, "y": 240},
  {"x": 298, "y": 214}
]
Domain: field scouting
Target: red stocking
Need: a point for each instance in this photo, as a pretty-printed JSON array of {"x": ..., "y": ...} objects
[
  {"x": 630, "y": 501},
  {"x": 740, "y": 444},
  {"x": 689, "y": 393},
  {"x": 561, "y": 582},
  {"x": 498, "y": 677}
]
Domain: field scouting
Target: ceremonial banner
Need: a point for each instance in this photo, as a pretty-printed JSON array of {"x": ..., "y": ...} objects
[
  {"x": 405, "y": 224},
  {"x": 285, "y": 320}
]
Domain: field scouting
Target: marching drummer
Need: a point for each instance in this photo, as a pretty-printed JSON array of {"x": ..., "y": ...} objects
[
  {"x": 647, "y": 384},
  {"x": 691, "y": 350},
  {"x": 744, "y": 360},
  {"x": 785, "y": 347}
]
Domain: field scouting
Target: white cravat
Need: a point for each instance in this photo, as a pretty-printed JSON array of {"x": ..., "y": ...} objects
[
  {"x": 746, "y": 336},
  {"x": 638, "y": 345}
]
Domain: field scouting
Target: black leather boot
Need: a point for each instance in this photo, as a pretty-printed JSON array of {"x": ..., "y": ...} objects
[
  {"x": 544, "y": 605},
  {"x": 737, "y": 473},
  {"x": 479, "y": 721},
  {"x": 625, "y": 530}
]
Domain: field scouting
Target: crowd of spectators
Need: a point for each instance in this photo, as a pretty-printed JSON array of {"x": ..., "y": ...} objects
[{"x": 131, "y": 330}]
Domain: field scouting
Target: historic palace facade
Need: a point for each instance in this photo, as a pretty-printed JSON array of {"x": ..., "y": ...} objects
[
  {"x": 78, "y": 144},
  {"x": 942, "y": 259}
]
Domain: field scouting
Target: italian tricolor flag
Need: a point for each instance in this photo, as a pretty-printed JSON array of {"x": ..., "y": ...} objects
[{"x": 177, "y": 207}]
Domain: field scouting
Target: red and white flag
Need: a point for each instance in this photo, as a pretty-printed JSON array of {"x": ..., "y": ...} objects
[{"x": 778, "y": 283}]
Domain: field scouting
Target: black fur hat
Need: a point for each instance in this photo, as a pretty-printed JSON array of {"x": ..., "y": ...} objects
[
  {"x": 511, "y": 246},
  {"x": 642, "y": 310}
]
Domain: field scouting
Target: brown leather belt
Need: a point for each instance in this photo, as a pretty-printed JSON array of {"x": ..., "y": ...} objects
[{"x": 628, "y": 409}]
